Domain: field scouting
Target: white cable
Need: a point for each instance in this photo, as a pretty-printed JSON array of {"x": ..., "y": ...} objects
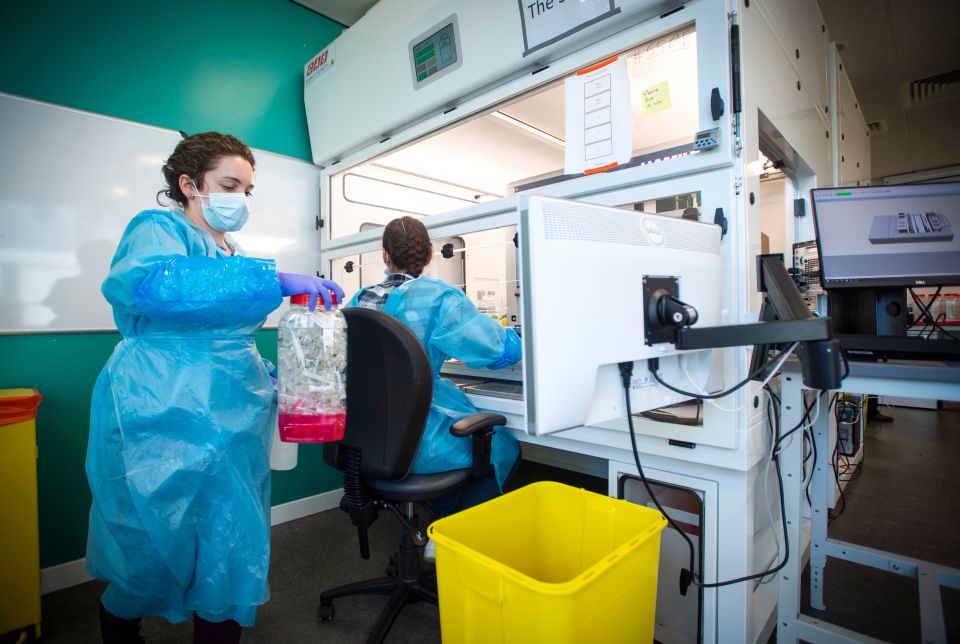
[
  {"x": 777, "y": 366},
  {"x": 816, "y": 414},
  {"x": 773, "y": 371},
  {"x": 856, "y": 419},
  {"x": 701, "y": 390},
  {"x": 803, "y": 430}
]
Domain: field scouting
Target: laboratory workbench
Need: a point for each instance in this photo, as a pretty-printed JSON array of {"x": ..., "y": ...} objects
[{"x": 918, "y": 379}]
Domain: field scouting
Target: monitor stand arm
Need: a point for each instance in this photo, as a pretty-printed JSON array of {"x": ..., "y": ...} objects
[{"x": 785, "y": 319}]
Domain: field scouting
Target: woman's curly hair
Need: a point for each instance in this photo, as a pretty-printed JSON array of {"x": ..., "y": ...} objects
[
  {"x": 408, "y": 245},
  {"x": 196, "y": 155}
]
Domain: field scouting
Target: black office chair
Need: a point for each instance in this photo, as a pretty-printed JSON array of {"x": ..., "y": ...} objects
[{"x": 389, "y": 389}]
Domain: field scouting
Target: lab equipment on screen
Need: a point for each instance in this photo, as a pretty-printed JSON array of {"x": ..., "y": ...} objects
[{"x": 888, "y": 236}]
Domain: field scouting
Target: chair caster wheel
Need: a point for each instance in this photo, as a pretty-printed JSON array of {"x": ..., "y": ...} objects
[
  {"x": 392, "y": 569},
  {"x": 325, "y": 612}
]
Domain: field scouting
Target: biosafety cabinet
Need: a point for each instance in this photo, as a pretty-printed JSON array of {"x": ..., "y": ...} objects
[{"x": 459, "y": 113}]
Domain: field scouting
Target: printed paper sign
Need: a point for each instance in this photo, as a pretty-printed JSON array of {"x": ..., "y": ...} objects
[
  {"x": 656, "y": 98},
  {"x": 319, "y": 63},
  {"x": 546, "y": 21},
  {"x": 599, "y": 131}
]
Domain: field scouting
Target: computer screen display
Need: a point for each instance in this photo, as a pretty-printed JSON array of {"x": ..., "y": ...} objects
[{"x": 880, "y": 236}]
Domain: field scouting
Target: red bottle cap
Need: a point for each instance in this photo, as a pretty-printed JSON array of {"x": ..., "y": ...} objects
[{"x": 304, "y": 298}]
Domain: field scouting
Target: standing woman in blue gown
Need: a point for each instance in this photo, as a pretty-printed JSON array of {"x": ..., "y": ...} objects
[{"x": 180, "y": 428}]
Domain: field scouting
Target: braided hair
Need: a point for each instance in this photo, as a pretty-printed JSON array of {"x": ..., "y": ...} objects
[{"x": 407, "y": 243}]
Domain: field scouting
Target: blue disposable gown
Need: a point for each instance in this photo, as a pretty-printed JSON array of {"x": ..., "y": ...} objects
[
  {"x": 450, "y": 326},
  {"x": 180, "y": 428}
]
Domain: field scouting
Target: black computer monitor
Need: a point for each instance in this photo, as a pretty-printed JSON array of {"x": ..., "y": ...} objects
[
  {"x": 875, "y": 242},
  {"x": 888, "y": 236}
]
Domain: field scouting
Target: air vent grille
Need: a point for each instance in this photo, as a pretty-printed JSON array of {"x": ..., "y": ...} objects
[
  {"x": 932, "y": 89},
  {"x": 573, "y": 222}
]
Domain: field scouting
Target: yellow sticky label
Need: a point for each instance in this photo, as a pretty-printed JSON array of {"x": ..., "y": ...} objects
[{"x": 656, "y": 98}]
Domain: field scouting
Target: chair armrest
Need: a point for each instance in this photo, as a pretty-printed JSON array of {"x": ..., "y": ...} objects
[
  {"x": 475, "y": 423},
  {"x": 480, "y": 427}
]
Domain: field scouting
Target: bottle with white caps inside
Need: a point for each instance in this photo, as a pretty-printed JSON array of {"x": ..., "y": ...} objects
[{"x": 312, "y": 366}]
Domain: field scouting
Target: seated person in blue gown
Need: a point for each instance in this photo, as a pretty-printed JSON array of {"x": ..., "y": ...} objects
[{"x": 449, "y": 326}]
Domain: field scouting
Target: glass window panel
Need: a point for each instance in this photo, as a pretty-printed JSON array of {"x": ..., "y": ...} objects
[{"x": 511, "y": 146}]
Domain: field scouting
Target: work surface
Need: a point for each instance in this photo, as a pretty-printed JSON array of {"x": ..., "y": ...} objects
[{"x": 915, "y": 370}]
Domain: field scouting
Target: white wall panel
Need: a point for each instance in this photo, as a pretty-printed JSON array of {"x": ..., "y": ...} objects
[{"x": 70, "y": 181}]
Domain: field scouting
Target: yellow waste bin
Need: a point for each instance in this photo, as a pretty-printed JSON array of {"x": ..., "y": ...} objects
[
  {"x": 19, "y": 538},
  {"x": 548, "y": 564}
]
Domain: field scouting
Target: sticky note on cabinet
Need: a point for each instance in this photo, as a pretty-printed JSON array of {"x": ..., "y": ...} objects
[{"x": 656, "y": 98}]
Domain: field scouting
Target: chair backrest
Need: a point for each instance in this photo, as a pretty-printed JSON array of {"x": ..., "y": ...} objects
[{"x": 389, "y": 390}]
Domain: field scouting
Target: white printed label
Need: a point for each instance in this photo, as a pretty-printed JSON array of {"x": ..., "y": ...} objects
[
  {"x": 598, "y": 118},
  {"x": 547, "y": 20},
  {"x": 319, "y": 64}
]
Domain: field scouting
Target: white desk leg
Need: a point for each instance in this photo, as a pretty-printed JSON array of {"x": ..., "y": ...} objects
[
  {"x": 791, "y": 467},
  {"x": 821, "y": 488}
]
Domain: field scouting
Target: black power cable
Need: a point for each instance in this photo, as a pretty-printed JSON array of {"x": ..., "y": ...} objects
[
  {"x": 803, "y": 420},
  {"x": 689, "y": 575},
  {"x": 813, "y": 444},
  {"x": 836, "y": 475},
  {"x": 924, "y": 310},
  {"x": 925, "y": 313},
  {"x": 943, "y": 331},
  {"x": 839, "y": 411},
  {"x": 807, "y": 454},
  {"x": 686, "y": 575},
  {"x": 654, "y": 365}
]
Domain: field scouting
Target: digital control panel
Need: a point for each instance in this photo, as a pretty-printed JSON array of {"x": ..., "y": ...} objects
[{"x": 435, "y": 53}]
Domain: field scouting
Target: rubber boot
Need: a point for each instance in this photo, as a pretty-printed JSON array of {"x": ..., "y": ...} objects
[
  {"x": 205, "y": 632},
  {"x": 117, "y": 630}
]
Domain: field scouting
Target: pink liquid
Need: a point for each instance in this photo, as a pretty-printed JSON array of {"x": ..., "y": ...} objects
[{"x": 312, "y": 428}]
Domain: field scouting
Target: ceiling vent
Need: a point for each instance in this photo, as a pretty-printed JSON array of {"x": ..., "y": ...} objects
[
  {"x": 933, "y": 89},
  {"x": 880, "y": 125}
]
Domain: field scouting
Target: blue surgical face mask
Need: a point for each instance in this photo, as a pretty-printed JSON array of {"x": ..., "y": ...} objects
[{"x": 227, "y": 212}]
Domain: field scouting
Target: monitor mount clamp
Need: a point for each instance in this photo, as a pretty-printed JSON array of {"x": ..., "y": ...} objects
[{"x": 784, "y": 319}]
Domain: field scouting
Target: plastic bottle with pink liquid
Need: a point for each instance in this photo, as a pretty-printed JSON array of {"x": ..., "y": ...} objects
[{"x": 312, "y": 364}]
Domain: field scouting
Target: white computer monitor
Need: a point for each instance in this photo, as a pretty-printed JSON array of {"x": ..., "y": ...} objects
[{"x": 582, "y": 272}]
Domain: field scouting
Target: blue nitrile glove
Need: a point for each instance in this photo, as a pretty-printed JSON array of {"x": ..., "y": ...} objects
[{"x": 296, "y": 284}]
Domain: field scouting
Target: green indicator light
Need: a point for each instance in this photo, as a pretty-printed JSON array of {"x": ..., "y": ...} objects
[
  {"x": 423, "y": 54},
  {"x": 844, "y": 194}
]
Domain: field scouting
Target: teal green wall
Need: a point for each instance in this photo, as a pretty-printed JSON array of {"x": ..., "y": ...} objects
[
  {"x": 233, "y": 66},
  {"x": 229, "y": 65},
  {"x": 63, "y": 368}
]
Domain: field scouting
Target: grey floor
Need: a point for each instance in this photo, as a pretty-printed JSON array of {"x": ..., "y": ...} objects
[{"x": 906, "y": 501}]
